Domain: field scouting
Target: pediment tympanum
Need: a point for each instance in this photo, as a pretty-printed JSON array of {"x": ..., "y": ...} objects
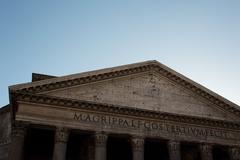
[{"x": 150, "y": 91}]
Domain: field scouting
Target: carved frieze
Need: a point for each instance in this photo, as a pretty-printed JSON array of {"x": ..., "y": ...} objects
[{"x": 151, "y": 126}]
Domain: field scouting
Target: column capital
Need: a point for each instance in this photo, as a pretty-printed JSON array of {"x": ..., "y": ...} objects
[
  {"x": 61, "y": 134},
  {"x": 205, "y": 147},
  {"x": 173, "y": 145},
  {"x": 234, "y": 152},
  {"x": 17, "y": 140},
  {"x": 137, "y": 143},
  {"x": 100, "y": 138},
  {"x": 100, "y": 145},
  {"x": 206, "y": 151},
  {"x": 19, "y": 129},
  {"x": 174, "y": 150}
]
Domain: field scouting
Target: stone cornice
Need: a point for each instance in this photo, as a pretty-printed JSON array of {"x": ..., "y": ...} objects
[
  {"x": 49, "y": 100},
  {"x": 145, "y": 67}
]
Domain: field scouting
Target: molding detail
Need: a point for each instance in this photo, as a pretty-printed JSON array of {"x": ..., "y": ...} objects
[{"x": 61, "y": 135}]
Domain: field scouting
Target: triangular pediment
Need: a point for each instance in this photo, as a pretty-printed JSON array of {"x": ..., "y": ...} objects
[
  {"x": 148, "y": 85},
  {"x": 149, "y": 91}
]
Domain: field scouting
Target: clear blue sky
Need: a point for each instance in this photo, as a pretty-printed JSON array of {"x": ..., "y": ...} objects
[{"x": 200, "y": 39}]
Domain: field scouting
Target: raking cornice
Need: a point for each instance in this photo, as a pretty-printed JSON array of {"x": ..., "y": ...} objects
[{"x": 70, "y": 81}]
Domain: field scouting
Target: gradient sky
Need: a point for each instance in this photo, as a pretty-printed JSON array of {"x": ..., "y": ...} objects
[{"x": 200, "y": 39}]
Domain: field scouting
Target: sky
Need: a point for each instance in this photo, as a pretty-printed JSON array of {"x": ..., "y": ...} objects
[{"x": 199, "y": 39}]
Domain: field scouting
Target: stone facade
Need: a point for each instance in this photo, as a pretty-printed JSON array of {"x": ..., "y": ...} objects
[
  {"x": 134, "y": 103},
  {"x": 5, "y": 131}
]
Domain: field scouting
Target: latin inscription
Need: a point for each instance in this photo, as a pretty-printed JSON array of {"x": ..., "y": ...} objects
[{"x": 145, "y": 125}]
